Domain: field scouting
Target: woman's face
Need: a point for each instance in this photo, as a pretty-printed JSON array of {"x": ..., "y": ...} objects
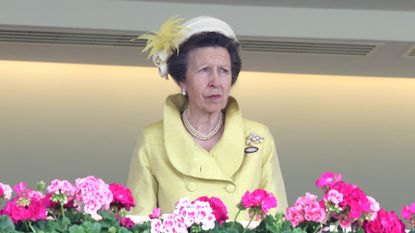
[{"x": 208, "y": 79}]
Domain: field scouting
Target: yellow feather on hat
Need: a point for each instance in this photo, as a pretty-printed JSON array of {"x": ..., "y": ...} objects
[{"x": 166, "y": 39}]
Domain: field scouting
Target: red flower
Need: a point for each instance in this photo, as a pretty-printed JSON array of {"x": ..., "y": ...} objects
[
  {"x": 127, "y": 222},
  {"x": 33, "y": 210},
  {"x": 122, "y": 196},
  {"x": 47, "y": 201},
  {"x": 408, "y": 211},
  {"x": 20, "y": 188},
  {"x": 328, "y": 179},
  {"x": 353, "y": 198},
  {"x": 385, "y": 222},
  {"x": 27, "y": 205},
  {"x": 155, "y": 214},
  {"x": 219, "y": 209},
  {"x": 259, "y": 199}
]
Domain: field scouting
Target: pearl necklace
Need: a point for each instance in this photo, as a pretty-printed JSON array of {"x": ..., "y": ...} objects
[{"x": 199, "y": 135}]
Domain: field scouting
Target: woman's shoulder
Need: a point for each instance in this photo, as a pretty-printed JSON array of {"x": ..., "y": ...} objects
[
  {"x": 154, "y": 130},
  {"x": 256, "y": 127}
]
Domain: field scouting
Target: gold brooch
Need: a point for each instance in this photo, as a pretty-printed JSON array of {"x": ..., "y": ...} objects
[{"x": 254, "y": 138}]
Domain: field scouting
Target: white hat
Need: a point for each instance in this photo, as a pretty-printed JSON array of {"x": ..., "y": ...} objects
[
  {"x": 177, "y": 34},
  {"x": 207, "y": 24}
]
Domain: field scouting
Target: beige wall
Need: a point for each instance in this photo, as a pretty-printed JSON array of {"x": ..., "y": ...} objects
[
  {"x": 69, "y": 120},
  {"x": 262, "y": 21}
]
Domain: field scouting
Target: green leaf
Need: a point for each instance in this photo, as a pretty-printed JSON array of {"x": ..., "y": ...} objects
[
  {"x": 41, "y": 186},
  {"x": 360, "y": 230},
  {"x": 6, "y": 224},
  {"x": 63, "y": 224},
  {"x": 267, "y": 225},
  {"x": 91, "y": 227},
  {"x": 230, "y": 227},
  {"x": 272, "y": 228},
  {"x": 76, "y": 229},
  {"x": 231, "y": 230},
  {"x": 95, "y": 228},
  {"x": 123, "y": 230},
  {"x": 45, "y": 226},
  {"x": 195, "y": 228},
  {"x": 286, "y": 225},
  {"x": 108, "y": 220},
  {"x": 142, "y": 228},
  {"x": 339, "y": 229},
  {"x": 112, "y": 230},
  {"x": 75, "y": 216},
  {"x": 298, "y": 230}
]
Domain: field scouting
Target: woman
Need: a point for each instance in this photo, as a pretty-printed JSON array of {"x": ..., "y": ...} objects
[{"x": 203, "y": 146}]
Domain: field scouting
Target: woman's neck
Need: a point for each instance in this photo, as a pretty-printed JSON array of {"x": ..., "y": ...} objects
[{"x": 202, "y": 121}]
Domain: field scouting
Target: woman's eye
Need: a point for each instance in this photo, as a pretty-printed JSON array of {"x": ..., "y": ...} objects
[
  {"x": 203, "y": 69},
  {"x": 223, "y": 70}
]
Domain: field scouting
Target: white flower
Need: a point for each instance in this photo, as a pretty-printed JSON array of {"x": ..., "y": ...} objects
[
  {"x": 156, "y": 226},
  {"x": 334, "y": 197},
  {"x": 374, "y": 207},
  {"x": 7, "y": 191}
]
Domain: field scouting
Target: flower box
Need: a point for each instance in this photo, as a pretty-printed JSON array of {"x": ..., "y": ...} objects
[{"x": 92, "y": 206}]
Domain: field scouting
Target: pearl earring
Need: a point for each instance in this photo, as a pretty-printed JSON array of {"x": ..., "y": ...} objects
[{"x": 184, "y": 92}]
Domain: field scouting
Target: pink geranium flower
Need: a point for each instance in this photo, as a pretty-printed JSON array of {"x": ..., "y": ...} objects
[
  {"x": 344, "y": 202},
  {"x": 408, "y": 211},
  {"x": 219, "y": 209},
  {"x": 62, "y": 187},
  {"x": 33, "y": 211},
  {"x": 328, "y": 179},
  {"x": 374, "y": 207},
  {"x": 385, "y": 222},
  {"x": 127, "y": 222},
  {"x": 155, "y": 214},
  {"x": 334, "y": 197},
  {"x": 156, "y": 225},
  {"x": 123, "y": 197},
  {"x": 306, "y": 208},
  {"x": 92, "y": 194},
  {"x": 259, "y": 199},
  {"x": 355, "y": 201},
  {"x": 27, "y": 205},
  {"x": 5, "y": 191},
  {"x": 353, "y": 198},
  {"x": 184, "y": 216},
  {"x": 20, "y": 188}
]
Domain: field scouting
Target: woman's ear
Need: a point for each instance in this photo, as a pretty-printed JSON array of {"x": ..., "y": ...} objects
[
  {"x": 182, "y": 85},
  {"x": 183, "y": 89}
]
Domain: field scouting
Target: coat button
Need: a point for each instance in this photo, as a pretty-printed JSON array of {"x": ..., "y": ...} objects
[
  {"x": 230, "y": 188},
  {"x": 191, "y": 186}
]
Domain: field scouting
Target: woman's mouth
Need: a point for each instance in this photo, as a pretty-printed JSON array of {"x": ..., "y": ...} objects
[{"x": 214, "y": 97}]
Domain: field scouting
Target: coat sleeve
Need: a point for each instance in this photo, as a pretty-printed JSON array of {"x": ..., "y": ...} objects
[
  {"x": 141, "y": 180},
  {"x": 271, "y": 177}
]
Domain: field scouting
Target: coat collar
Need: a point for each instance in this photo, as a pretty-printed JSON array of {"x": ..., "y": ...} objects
[{"x": 224, "y": 159}]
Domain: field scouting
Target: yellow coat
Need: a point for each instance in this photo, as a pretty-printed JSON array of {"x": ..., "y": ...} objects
[{"x": 168, "y": 165}]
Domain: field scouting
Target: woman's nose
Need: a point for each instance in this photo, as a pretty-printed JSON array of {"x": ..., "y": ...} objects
[{"x": 214, "y": 81}]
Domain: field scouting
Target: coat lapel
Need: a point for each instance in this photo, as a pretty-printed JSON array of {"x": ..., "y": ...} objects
[
  {"x": 229, "y": 150},
  {"x": 189, "y": 160}
]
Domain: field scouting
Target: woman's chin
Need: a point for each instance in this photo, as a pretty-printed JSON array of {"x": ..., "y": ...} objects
[{"x": 215, "y": 108}]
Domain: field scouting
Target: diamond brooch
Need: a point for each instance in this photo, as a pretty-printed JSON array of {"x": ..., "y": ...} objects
[{"x": 254, "y": 138}]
